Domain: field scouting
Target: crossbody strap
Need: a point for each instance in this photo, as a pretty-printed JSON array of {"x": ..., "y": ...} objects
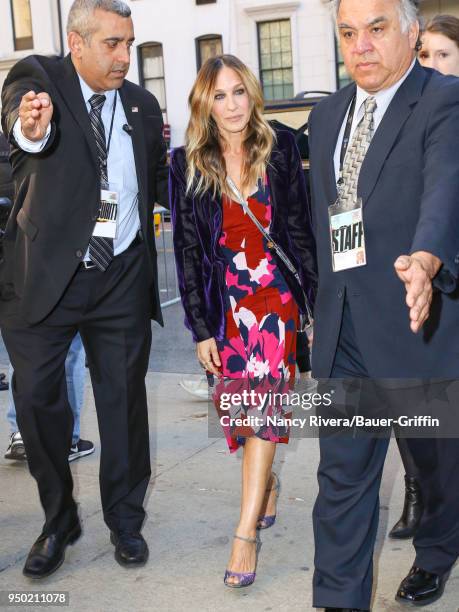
[{"x": 271, "y": 243}]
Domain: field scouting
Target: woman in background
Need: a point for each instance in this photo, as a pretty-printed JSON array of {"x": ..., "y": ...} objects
[
  {"x": 240, "y": 302},
  {"x": 440, "y": 45}
]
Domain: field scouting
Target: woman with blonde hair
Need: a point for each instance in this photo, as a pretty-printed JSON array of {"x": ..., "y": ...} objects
[{"x": 245, "y": 257}]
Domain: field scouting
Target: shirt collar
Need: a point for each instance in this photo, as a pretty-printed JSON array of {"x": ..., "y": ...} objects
[
  {"x": 384, "y": 97},
  {"x": 88, "y": 92}
]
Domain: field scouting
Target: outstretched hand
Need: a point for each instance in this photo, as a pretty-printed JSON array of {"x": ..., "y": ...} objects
[{"x": 416, "y": 271}]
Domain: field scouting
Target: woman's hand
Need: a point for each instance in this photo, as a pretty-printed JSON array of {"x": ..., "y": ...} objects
[{"x": 208, "y": 356}]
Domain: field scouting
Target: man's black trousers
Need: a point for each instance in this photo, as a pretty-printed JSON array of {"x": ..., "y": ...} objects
[{"x": 111, "y": 310}]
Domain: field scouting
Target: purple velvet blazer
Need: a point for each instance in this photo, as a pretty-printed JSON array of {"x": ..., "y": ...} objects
[{"x": 197, "y": 225}]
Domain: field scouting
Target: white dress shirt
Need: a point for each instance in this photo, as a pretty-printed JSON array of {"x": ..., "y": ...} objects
[
  {"x": 383, "y": 99},
  {"x": 122, "y": 175},
  {"x": 29, "y": 146}
]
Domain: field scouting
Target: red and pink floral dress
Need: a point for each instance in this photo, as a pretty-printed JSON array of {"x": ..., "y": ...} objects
[{"x": 259, "y": 349}]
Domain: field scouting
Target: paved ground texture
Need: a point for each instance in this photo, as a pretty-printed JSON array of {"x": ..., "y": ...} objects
[{"x": 192, "y": 512}]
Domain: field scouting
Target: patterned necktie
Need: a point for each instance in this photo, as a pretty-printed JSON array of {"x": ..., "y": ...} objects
[
  {"x": 100, "y": 249},
  {"x": 356, "y": 154}
]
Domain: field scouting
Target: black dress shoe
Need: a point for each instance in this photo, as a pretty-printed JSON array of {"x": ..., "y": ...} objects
[
  {"x": 130, "y": 548},
  {"x": 421, "y": 588},
  {"x": 413, "y": 508},
  {"x": 48, "y": 552}
]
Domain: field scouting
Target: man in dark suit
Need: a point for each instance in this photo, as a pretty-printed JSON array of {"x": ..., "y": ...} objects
[
  {"x": 89, "y": 161},
  {"x": 390, "y": 140}
]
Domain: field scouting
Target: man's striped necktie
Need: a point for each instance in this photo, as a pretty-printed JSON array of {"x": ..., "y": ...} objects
[
  {"x": 100, "y": 249},
  {"x": 356, "y": 154}
]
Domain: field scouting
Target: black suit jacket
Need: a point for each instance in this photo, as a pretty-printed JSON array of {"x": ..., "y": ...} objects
[
  {"x": 197, "y": 225},
  {"x": 57, "y": 190},
  {"x": 409, "y": 183}
]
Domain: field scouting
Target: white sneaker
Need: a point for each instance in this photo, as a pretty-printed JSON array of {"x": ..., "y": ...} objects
[
  {"x": 196, "y": 387},
  {"x": 16, "y": 450}
]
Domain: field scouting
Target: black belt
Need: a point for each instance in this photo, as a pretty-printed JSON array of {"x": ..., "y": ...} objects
[{"x": 138, "y": 239}]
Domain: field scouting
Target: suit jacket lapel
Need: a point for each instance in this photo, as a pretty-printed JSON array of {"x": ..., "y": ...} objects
[
  {"x": 385, "y": 136},
  {"x": 68, "y": 84},
  {"x": 133, "y": 114}
]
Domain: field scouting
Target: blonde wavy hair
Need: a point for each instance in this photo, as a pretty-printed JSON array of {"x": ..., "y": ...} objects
[{"x": 204, "y": 145}]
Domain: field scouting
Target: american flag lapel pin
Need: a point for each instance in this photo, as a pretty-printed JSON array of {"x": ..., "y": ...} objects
[{"x": 135, "y": 109}]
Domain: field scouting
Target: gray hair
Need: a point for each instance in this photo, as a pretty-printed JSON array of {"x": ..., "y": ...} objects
[
  {"x": 409, "y": 12},
  {"x": 81, "y": 14}
]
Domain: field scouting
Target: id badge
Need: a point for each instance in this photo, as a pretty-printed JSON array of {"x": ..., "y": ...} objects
[
  {"x": 107, "y": 221},
  {"x": 347, "y": 236}
]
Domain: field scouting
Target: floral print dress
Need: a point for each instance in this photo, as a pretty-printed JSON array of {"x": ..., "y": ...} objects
[{"x": 258, "y": 351}]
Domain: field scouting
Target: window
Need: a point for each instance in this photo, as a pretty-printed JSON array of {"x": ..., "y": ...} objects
[
  {"x": 342, "y": 77},
  {"x": 152, "y": 71},
  {"x": 208, "y": 46},
  {"x": 22, "y": 24},
  {"x": 275, "y": 53}
]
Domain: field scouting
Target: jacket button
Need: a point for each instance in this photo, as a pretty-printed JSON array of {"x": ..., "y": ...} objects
[
  {"x": 340, "y": 293},
  {"x": 79, "y": 254}
]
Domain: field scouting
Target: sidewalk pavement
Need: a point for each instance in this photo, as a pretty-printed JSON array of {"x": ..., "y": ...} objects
[{"x": 192, "y": 506}]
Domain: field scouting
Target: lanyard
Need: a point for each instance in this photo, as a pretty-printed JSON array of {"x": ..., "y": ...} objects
[
  {"x": 111, "y": 124},
  {"x": 346, "y": 138}
]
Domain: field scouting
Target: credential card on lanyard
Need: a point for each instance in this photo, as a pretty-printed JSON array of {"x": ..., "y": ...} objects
[
  {"x": 347, "y": 236},
  {"x": 106, "y": 224}
]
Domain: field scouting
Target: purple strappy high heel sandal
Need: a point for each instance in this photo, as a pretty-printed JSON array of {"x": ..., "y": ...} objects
[
  {"x": 264, "y": 522},
  {"x": 244, "y": 578}
]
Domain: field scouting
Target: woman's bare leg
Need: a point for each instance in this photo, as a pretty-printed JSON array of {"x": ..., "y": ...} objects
[{"x": 258, "y": 456}]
